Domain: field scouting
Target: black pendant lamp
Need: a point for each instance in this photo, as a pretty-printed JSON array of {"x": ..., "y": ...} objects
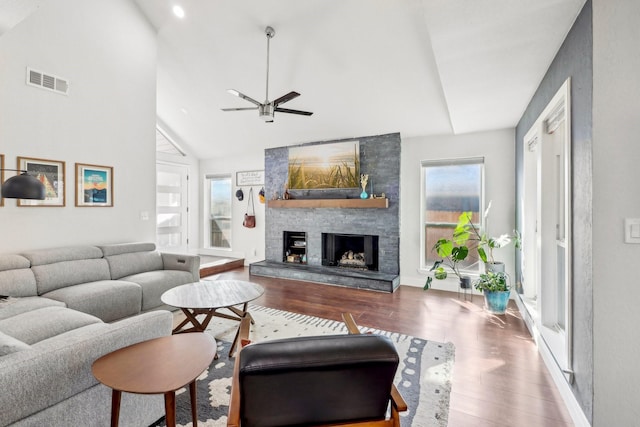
[{"x": 23, "y": 186}]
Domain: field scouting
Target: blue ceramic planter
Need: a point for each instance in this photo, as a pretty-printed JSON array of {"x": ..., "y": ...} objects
[{"x": 496, "y": 301}]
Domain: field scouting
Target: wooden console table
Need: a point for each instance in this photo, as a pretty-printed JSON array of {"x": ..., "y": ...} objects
[{"x": 329, "y": 203}]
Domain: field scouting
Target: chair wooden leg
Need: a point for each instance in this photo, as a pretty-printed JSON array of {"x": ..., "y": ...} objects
[{"x": 194, "y": 402}]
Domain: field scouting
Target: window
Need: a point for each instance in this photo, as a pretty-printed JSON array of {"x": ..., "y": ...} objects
[
  {"x": 449, "y": 188},
  {"x": 219, "y": 189}
]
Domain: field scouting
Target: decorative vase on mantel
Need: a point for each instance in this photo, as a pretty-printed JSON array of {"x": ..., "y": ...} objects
[{"x": 364, "y": 178}]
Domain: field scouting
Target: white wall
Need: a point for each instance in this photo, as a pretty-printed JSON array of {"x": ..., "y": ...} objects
[
  {"x": 498, "y": 150},
  {"x": 616, "y": 195},
  {"x": 107, "y": 51},
  {"x": 247, "y": 243}
]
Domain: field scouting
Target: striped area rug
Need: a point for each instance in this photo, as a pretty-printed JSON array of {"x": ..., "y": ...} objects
[{"x": 423, "y": 377}]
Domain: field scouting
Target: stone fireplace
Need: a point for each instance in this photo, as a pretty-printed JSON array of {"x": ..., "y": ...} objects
[{"x": 380, "y": 158}]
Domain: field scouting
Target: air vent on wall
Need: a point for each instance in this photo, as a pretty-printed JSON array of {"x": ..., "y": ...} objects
[{"x": 47, "y": 81}]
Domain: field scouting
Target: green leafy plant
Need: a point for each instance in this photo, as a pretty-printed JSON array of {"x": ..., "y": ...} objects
[
  {"x": 467, "y": 237},
  {"x": 492, "y": 243},
  {"x": 452, "y": 251},
  {"x": 486, "y": 244},
  {"x": 492, "y": 282}
]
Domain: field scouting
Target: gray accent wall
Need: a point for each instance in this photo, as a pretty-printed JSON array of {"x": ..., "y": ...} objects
[
  {"x": 380, "y": 158},
  {"x": 574, "y": 59}
]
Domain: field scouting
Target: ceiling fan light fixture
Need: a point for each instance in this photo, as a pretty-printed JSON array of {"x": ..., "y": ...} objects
[
  {"x": 266, "y": 112},
  {"x": 267, "y": 109}
]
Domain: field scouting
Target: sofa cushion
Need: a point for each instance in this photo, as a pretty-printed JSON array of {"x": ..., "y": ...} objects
[
  {"x": 68, "y": 273},
  {"x": 125, "y": 248},
  {"x": 14, "y": 306},
  {"x": 69, "y": 253},
  {"x": 9, "y": 344},
  {"x": 108, "y": 300},
  {"x": 124, "y": 265},
  {"x": 155, "y": 283},
  {"x": 16, "y": 278},
  {"x": 37, "y": 325},
  {"x": 60, "y": 267}
]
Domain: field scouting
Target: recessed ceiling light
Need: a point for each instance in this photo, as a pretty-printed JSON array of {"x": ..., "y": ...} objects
[{"x": 178, "y": 11}]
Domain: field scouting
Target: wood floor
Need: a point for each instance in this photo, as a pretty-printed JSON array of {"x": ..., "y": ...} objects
[{"x": 499, "y": 379}]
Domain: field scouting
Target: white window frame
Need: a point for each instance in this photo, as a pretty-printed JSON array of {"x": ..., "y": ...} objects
[
  {"x": 207, "y": 213},
  {"x": 424, "y": 267}
]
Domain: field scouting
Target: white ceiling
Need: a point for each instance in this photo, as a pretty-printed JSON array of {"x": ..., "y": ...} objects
[
  {"x": 364, "y": 67},
  {"x": 14, "y": 11}
]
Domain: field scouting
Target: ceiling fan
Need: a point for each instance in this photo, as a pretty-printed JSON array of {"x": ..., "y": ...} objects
[{"x": 267, "y": 109}]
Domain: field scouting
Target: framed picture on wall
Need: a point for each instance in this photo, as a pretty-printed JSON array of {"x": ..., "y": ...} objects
[
  {"x": 324, "y": 166},
  {"x": 52, "y": 174},
  {"x": 1, "y": 178},
  {"x": 94, "y": 185},
  {"x": 246, "y": 178}
]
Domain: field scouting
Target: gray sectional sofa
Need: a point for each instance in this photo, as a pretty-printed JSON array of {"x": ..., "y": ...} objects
[{"x": 69, "y": 306}]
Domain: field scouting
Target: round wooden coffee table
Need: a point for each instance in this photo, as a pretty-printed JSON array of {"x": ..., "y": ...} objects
[
  {"x": 161, "y": 365},
  {"x": 209, "y": 296}
]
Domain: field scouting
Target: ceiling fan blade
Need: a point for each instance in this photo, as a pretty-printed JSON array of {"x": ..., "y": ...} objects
[
  {"x": 243, "y": 96},
  {"x": 239, "y": 109},
  {"x": 285, "y": 98},
  {"x": 286, "y": 110}
]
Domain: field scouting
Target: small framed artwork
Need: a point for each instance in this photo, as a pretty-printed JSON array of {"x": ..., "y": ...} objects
[
  {"x": 246, "y": 178},
  {"x": 94, "y": 185},
  {"x": 52, "y": 174}
]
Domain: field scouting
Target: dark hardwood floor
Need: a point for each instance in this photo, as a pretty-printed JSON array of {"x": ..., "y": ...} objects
[{"x": 499, "y": 378}]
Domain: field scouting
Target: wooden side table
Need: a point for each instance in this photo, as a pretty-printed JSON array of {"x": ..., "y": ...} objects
[{"x": 161, "y": 365}]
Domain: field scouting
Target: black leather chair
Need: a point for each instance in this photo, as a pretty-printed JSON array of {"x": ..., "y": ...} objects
[{"x": 316, "y": 381}]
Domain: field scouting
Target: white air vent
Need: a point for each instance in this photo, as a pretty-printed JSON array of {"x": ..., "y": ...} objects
[{"x": 47, "y": 81}]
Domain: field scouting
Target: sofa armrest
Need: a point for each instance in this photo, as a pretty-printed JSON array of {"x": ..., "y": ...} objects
[{"x": 190, "y": 263}]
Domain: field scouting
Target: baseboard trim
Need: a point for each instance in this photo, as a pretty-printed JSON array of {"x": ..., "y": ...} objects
[
  {"x": 210, "y": 270},
  {"x": 575, "y": 411}
]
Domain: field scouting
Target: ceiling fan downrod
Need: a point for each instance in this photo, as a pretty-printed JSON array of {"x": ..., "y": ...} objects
[{"x": 270, "y": 32}]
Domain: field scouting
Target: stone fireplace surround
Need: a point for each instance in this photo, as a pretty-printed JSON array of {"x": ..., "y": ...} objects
[{"x": 380, "y": 158}]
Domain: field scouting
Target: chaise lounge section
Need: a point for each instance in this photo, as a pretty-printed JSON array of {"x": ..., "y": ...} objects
[{"x": 69, "y": 306}]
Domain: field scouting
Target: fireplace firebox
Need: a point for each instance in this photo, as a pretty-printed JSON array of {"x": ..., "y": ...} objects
[{"x": 355, "y": 251}]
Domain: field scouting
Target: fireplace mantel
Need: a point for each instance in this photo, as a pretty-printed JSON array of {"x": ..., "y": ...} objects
[{"x": 329, "y": 203}]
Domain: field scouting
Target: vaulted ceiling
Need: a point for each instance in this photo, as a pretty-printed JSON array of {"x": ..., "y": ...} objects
[{"x": 364, "y": 67}]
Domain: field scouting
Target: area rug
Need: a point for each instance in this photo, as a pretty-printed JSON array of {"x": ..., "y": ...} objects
[{"x": 423, "y": 377}]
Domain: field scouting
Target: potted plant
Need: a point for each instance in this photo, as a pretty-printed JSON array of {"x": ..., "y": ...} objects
[
  {"x": 453, "y": 251},
  {"x": 496, "y": 289},
  {"x": 486, "y": 244}
]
